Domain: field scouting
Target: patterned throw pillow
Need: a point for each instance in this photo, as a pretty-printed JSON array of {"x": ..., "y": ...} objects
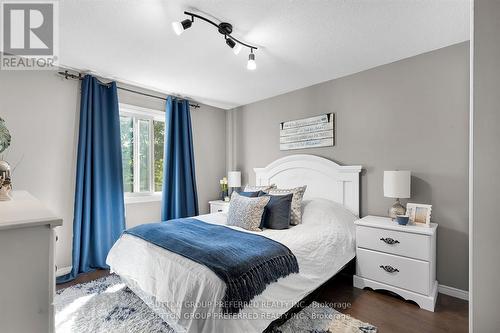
[
  {"x": 298, "y": 194},
  {"x": 264, "y": 188},
  {"x": 246, "y": 212}
]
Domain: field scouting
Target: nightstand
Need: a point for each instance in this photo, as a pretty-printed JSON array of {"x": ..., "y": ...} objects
[
  {"x": 219, "y": 206},
  {"x": 401, "y": 259}
]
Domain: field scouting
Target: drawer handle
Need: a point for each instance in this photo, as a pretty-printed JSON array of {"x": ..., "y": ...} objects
[
  {"x": 219, "y": 210},
  {"x": 389, "y": 269},
  {"x": 389, "y": 240}
]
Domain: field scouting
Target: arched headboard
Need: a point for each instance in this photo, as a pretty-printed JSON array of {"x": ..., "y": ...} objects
[{"x": 324, "y": 178}]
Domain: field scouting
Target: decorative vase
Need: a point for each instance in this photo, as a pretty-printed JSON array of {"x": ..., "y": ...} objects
[
  {"x": 5, "y": 182},
  {"x": 223, "y": 194},
  {"x": 5, "y": 193},
  {"x": 402, "y": 219},
  {"x": 396, "y": 209},
  {"x": 223, "y": 188}
]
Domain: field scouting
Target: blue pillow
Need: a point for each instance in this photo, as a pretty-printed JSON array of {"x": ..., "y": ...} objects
[
  {"x": 249, "y": 194},
  {"x": 277, "y": 212}
]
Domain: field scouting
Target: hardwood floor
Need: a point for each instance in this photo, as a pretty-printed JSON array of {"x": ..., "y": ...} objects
[
  {"x": 392, "y": 313},
  {"x": 389, "y": 313},
  {"x": 84, "y": 278}
]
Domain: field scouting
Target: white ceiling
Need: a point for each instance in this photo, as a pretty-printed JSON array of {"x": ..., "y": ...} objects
[{"x": 301, "y": 43}]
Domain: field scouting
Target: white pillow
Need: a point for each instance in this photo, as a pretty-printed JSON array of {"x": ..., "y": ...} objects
[{"x": 322, "y": 211}]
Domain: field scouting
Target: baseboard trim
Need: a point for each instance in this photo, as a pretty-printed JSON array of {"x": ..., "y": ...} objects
[
  {"x": 63, "y": 270},
  {"x": 454, "y": 292}
]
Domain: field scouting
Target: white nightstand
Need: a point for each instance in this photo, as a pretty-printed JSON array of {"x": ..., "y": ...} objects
[
  {"x": 219, "y": 206},
  {"x": 401, "y": 259}
]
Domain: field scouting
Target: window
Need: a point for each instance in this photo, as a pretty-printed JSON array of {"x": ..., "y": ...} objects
[{"x": 142, "y": 136}]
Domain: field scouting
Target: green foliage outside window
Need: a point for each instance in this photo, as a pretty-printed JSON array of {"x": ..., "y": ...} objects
[
  {"x": 144, "y": 150},
  {"x": 127, "y": 139},
  {"x": 158, "y": 140}
]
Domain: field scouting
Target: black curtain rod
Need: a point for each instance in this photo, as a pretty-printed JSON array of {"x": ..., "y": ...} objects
[{"x": 67, "y": 75}]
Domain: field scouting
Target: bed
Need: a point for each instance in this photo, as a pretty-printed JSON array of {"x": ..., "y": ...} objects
[{"x": 186, "y": 294}]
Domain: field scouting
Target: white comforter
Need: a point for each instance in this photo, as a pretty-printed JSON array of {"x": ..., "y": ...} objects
[{"x": 186, "y": 294}]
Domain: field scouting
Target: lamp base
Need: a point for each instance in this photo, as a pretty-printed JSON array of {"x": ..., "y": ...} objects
[{"x": 396, "y": 209}]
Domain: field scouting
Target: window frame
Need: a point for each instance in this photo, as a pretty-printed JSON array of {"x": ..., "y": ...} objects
[{"x": 138, "y": 113}]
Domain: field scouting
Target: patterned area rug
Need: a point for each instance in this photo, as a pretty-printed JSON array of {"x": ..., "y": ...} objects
[
  {"x": 106, "y": 305},
  {"x": 319, "y": 318}
]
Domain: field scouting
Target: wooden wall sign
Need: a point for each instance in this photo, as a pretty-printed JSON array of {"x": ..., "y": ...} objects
[{"x": 312, "y": 132}]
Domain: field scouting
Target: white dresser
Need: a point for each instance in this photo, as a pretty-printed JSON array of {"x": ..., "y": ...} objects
[
  {"x": 401, "y": 259},
  {"x": 27, "y": 279},
  {"x": 219, "y": 206}
]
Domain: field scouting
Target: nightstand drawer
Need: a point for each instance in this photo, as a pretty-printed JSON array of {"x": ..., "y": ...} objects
[
  {"x": 395, "y": 242},
  {"x": 215, "y": 208},
  {"x": 406, "y": 273}
]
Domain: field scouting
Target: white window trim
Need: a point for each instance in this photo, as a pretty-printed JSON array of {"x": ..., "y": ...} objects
[
  {"x": 150, "y": 115},
  {"x": 132, "y": 110},
  {"x": 135, "y": 198}
]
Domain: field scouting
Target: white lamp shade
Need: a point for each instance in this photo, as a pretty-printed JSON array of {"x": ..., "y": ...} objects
[
  {"x": 397, "y": 184},
  {"x": 234, "y": 179}
]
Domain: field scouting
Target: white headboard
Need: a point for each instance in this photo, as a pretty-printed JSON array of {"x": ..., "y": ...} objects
[{"x": 324, "y": 178}]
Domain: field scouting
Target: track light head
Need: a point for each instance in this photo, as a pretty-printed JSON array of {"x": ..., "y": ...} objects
[
  {"x": 231, "y": 43},
  {"x": 251, "y": 64},
  {"x": 237, "y": 49},
  {"x": 179, "y": 27}
]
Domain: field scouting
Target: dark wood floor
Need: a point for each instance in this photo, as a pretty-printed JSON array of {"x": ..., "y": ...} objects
[
  {"x": 82, "y": 278},
  {"x": 389, "y": 313}
]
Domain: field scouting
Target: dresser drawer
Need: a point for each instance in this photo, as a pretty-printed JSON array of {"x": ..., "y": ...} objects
[
  {"x": 409, "y": 274},
  {"x": 215, "y": 208},
  {"x": 395, "y": 242}
]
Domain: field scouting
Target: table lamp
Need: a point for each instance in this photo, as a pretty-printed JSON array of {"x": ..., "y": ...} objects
[
  {"x": 397, "y": 185},
  {"x": 234, "y": 180}
]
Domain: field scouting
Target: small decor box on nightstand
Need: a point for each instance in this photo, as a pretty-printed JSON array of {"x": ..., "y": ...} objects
[
  {"x": 219, "y": 206},
  {"x": 401, "y": 259}
]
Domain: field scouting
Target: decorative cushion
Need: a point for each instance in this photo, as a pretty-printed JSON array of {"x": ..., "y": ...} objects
[
  {"x": 246, "y": 212},
  {"x": 250, "y": 194},
  {"x": 277, "y": 212},
  {"x": 298, "y": 194},
  {"x": 264, "y": 188}
]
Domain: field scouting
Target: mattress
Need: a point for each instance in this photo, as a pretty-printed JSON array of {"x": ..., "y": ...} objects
[{"x": 187, "y": 295}]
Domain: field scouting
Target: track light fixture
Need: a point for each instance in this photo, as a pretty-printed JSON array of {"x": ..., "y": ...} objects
[
  {"x": 237, "y": 49},
  {"x": 231, "y": 43},
  {"x": 251, "y": 64},
  {"x": 225, "y": 29},
  {"x": 179, "y": 27}
]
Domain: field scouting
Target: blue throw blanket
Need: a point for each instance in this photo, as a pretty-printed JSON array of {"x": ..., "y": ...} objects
[{"x": 246, "y": 262}]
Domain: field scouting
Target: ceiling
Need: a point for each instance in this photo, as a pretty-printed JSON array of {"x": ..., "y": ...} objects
[{"x": 301, "y": 43}]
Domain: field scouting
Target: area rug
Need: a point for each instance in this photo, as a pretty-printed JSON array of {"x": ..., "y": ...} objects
[{"x": 106, "y": 305}]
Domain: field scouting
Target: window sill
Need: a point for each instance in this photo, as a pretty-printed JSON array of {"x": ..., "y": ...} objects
[{"x": 135, "y": 199}]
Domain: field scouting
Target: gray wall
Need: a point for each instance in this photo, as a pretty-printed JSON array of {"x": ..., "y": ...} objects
[
  {"x": 486, "y": 164},
  {"x": 411, "y": 114},
  {"x": 42, "y": 110}
]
